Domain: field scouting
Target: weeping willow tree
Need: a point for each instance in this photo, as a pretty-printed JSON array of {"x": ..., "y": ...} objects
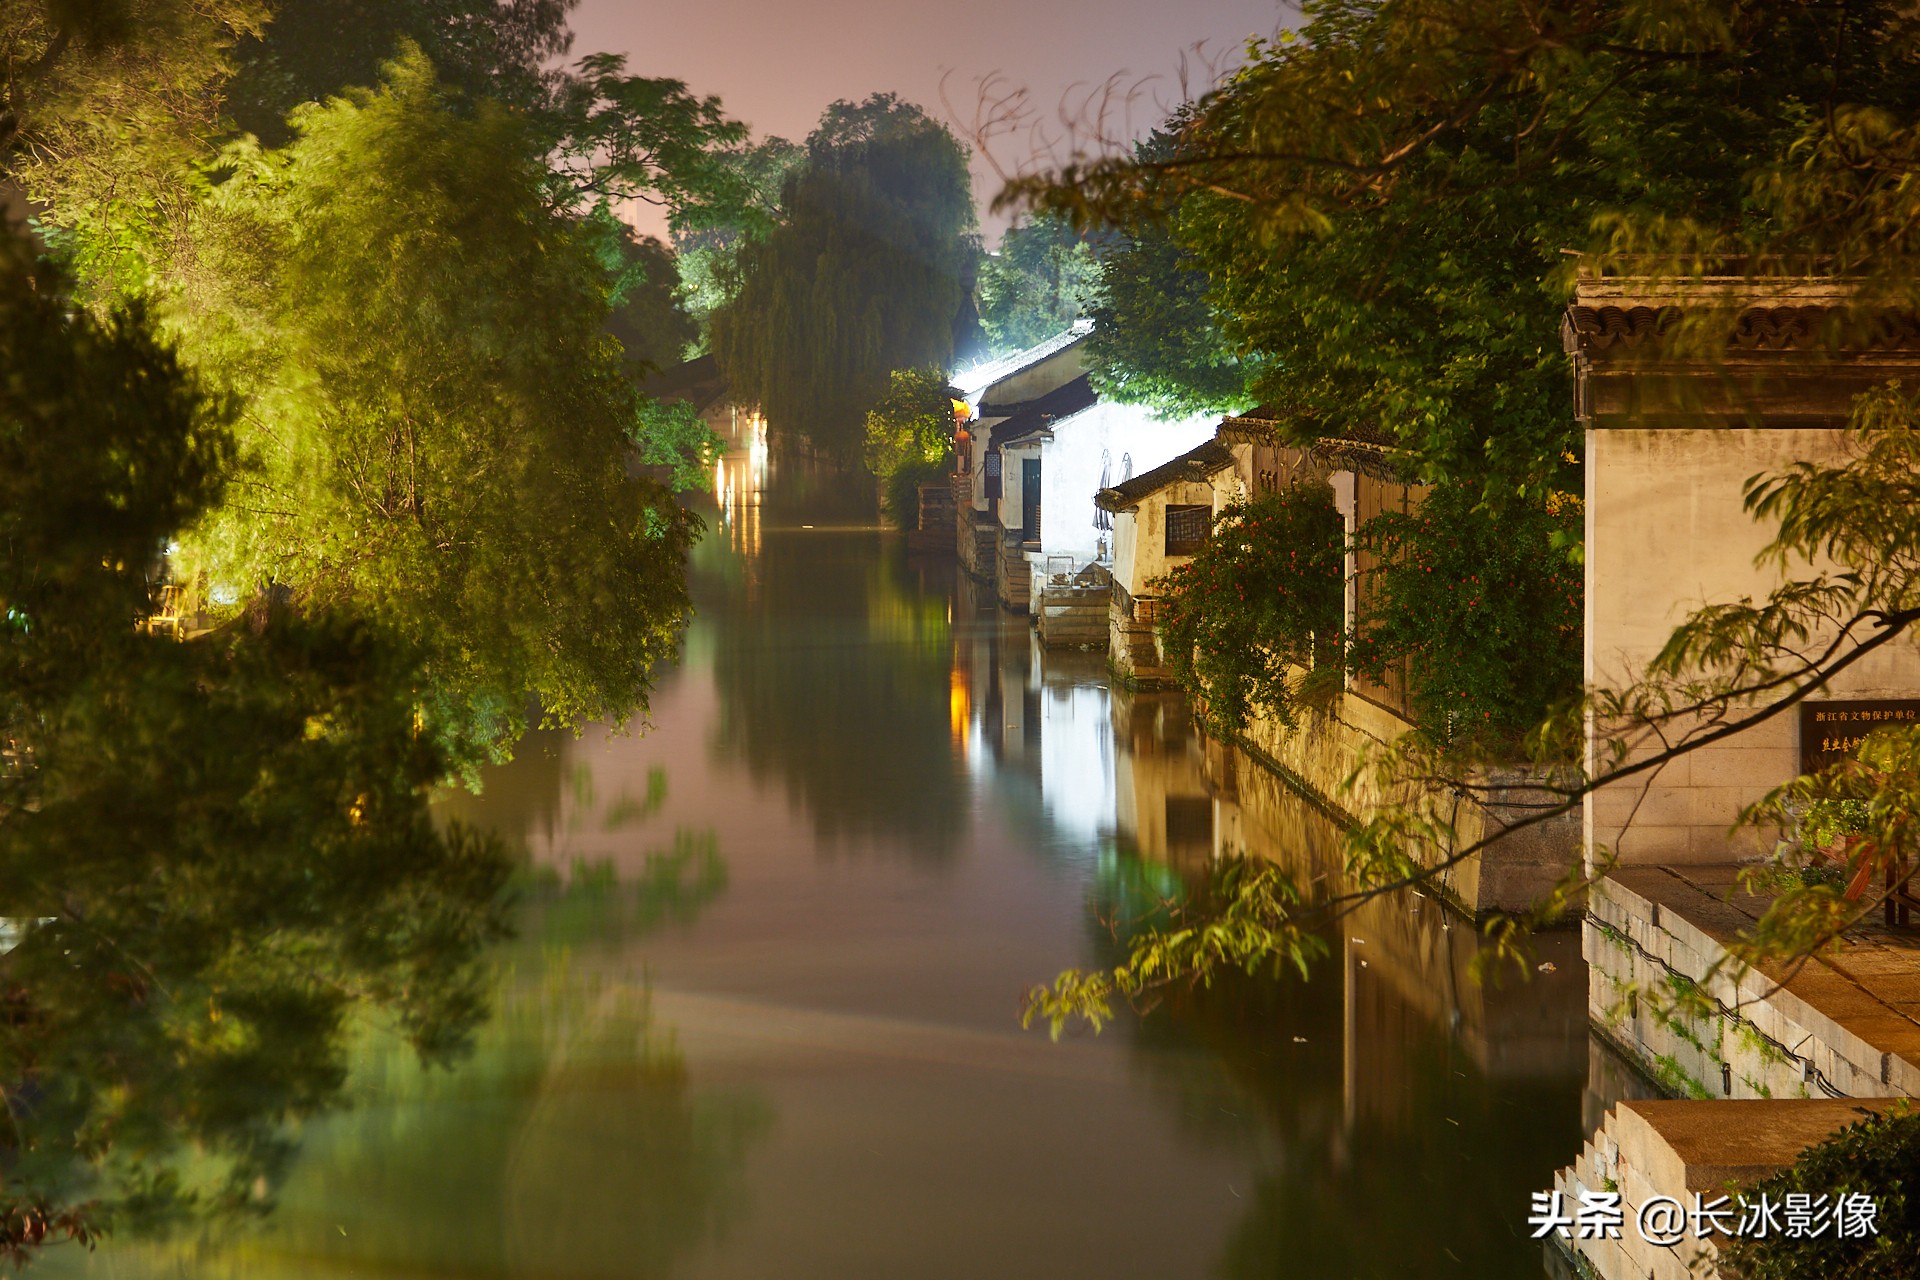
[{"x": 870, "y": 269}]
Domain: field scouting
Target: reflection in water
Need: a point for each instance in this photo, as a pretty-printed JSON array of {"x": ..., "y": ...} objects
[
  {"x": 1372, "y": 1095},
  {"x": 225, "y": 854},
  {"x": 664, "y": 1008},
  {"x": 572, "y": 1142},
  {"x": 834, "y": 680},
  {"x": 1393, "y": 1114}
]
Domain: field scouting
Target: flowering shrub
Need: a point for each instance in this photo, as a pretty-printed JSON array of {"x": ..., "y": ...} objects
[
  {"x": 1253, "y": 621},
  {"x": 1484, "y": 609}
]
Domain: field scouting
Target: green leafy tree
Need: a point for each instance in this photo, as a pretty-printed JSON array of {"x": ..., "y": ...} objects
[
  {"x": 106, "y": 449},
  {"x": 647, "y": 315},
  {"x": 104, "y": 104},
  {"x": 1044, "y": 277},
  {"x": 1872, "y": 1157},
  {"x": 675, "y": 436},
  {"x": 1155, "y": 338},
  {"x": 869, "y": 270},
  {"x": 1483, "y": 611},
  {"x": 313, "y": 50},
  {"x": 1382, "y": 198},
  {"x": 1253, "y": 623},
  {"x": 909, "y": 435},
  {"x": 708, "y": 253},
  {"x": 618, "y": 139},
  {"x": 913, "y": 423},
  {"x": 437, "y": 422},
  {"x": 214, "y": 851}
]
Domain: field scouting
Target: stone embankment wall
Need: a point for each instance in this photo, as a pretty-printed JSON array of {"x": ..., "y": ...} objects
[
  {"x": 1013, "y": 577},
  {"x": 1654, "y": 940},
  {"x": 1675, "y": 1149},
  {"x": 1133, "y": 645},
  {"x": 933, "y": 534},
  {"x": 1071, "y": 617},
  {"x": 1321, "y": 754},
  {"x": 975, "y": 536}
]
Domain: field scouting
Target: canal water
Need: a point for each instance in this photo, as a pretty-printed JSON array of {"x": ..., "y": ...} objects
[{"x": 760, "y": 1021}]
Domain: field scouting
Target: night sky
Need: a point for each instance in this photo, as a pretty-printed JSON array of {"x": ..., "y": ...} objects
[{"x": 777, "y": 63}]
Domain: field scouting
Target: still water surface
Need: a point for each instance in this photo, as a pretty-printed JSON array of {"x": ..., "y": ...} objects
[{"x": 761, "y": 1018}]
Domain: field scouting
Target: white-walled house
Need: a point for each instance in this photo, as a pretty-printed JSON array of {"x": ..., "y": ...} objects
[
  {"x": 1089, "y": 450},
  {"x": 997, "y": 391},
  {"x": 1051, "y": 522},
  {"x": 1160, "y": 518},
  {"x": 1012, "y": 486}
]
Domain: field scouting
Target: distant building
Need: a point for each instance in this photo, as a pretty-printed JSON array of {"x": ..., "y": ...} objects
[
  {"x": 1160, "y": 519},
  {"x": 1000, "y": 390},
  {"x": 1054, "y": 539}
]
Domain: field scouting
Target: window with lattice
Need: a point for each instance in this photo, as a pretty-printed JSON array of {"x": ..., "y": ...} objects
[{"x": 1187, "y": 528}]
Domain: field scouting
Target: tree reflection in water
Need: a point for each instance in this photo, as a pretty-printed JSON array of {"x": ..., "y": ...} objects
[
  {"x": 570, "y": 1142},
  {"x": 833, "y": 675},
  {"x": 1367, "y": 1094},
  {"x": 224, "y": 852}
]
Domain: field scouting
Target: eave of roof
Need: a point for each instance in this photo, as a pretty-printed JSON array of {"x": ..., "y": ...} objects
[
  {"x": 977, "y": 380},
  {"x": 1256, "y": 426},
  {"x": 1755, "y": 331},
  {"x": 1196, "y": 466},
  {"x": 1381, "y": 461},
  {"x": 1037, "y": 415},
  {"x": 684, "y": 378}
]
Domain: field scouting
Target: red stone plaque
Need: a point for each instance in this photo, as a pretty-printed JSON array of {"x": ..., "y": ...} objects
[{"x": 1832, "y": 731}]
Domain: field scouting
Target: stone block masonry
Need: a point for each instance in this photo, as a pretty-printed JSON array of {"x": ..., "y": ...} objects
[
  {"x": 1842, "y": 1025},
  {"x": 1675, "y": 1149},
  {"x": 1014, "y": 577},
  {"x": 1320, "y": 756}
]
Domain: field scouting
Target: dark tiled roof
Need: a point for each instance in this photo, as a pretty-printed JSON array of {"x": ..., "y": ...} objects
[
  {"x": 1036, "y": 415},
  {"x": 1355, "y": 449},
  {"x": 1196, "y": 465},
  {"x": 1381, "y": 461},
  {"x": 685, "y": 375},
  {"x": 1261, "y": 425},
  {"x": 1600, "y": 328}
]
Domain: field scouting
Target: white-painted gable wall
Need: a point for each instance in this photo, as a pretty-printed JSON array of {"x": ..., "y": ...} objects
[{"x": 1070, "y": 467}]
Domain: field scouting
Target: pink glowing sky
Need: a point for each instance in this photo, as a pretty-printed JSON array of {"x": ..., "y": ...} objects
[{"x": 776, "y": 63}]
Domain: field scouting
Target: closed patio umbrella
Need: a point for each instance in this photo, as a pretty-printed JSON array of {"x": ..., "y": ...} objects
[{"x": 1103, "y": 518}]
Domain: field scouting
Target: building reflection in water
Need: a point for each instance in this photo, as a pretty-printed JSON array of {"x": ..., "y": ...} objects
[
  {"x": 1375, "y": 1091},
  {"x": 739, "y": 480}
]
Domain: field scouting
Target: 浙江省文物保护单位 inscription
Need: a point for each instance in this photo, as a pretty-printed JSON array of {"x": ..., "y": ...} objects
[{"x": 1832, "y": 731}]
